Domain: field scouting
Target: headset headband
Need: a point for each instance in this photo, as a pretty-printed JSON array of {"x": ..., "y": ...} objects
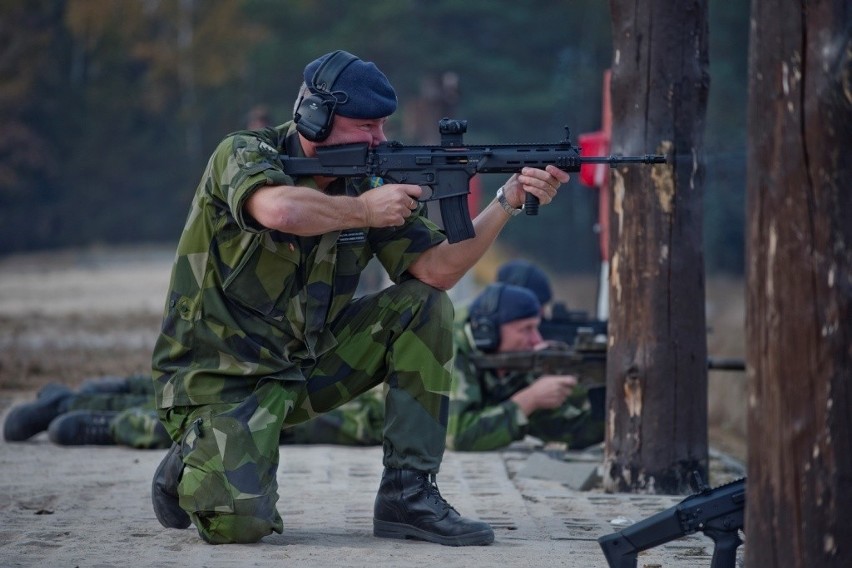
[{"x": 330, "y": 69}]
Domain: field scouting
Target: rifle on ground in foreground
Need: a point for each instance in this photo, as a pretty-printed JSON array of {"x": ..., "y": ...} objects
[
  {"x": 719, "y": 513},
  {"x": 448, "y": 168}
]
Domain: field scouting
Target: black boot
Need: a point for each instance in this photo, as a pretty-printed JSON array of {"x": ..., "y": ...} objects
[
  {"x": 409, "y": 505},
  {"x": 164, "y": 494},
  {"x": 27, "y": 420},
  {"x": 83, "y": 427}
]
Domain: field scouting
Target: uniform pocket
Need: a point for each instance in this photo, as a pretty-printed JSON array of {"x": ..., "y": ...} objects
[
  {"x": 203, "y": 486},
  {"x": 266, "y": 276}
]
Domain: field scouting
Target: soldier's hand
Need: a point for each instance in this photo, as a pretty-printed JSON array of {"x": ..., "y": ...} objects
[
  {"x": 541, "y": 183},
  {"x": 390, "y": 205},
  {"x": 547, "y": 392}
]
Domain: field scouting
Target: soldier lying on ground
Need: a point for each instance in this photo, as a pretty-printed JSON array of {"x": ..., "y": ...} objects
[
  {"x": 490, "y": 409},
  {"x": 120, "y": 411}
]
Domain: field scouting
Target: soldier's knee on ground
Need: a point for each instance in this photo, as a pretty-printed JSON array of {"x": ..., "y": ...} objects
[
  {"x": 216, "y": 528},
  {"x": 213, "y": 501}
]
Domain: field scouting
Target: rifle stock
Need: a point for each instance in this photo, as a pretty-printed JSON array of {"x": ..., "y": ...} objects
[
  {"x": 446, "y": 169},
  {"x": 719, "y": 513}
]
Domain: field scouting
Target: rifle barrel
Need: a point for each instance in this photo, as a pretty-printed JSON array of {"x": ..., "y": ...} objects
[
  {"x": 714, "y": 364},
  {"x": 616, "y": 159}
]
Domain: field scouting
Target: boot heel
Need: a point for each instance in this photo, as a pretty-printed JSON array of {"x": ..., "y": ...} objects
[{"x": 384, "y": 529}]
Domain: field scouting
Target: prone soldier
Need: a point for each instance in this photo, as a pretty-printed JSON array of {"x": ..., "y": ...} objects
[{"x": 493, "y": 406}]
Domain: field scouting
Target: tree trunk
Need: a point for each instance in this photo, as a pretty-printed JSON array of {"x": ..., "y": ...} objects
[
  {"x": 657, "y": 360},
  {"x": 799, "y": 303}
]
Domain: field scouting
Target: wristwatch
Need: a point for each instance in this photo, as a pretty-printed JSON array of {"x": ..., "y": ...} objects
[{"x": 504, "y": 203}]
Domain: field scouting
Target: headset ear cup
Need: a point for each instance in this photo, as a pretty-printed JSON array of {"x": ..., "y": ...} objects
[
  {"x": 483, "y": 324},
  {"x": 314, "y": 116},
  {"x": 486, "y": 334},
  {"x": 315, "y": 112}
]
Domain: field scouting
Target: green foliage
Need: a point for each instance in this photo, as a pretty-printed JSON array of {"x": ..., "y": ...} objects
[{"x": 111, "y": 108}]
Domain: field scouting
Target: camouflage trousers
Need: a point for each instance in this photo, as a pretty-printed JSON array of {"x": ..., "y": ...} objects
[
  {"x": 400, "y": 337},
  {"x": 137, "y": 422}
]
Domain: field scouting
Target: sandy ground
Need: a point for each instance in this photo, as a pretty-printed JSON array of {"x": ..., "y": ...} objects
[{"x": 73, "y": 315}]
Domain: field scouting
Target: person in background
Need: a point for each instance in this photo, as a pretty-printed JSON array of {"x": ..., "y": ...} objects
[
  {"x": 261, "y": 329},
  {"x": 108, "y": 411},
  {"x": 258, "y": 117},
  {"x": 491, "y": 408},
  {"x": 527, "y": 275},
  {"x": 103, "y": 411}
]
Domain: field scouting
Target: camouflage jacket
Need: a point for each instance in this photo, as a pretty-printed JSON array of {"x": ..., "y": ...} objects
[
  {"x": 483, "y": 416},
  {"x": 247, "y": 303}
]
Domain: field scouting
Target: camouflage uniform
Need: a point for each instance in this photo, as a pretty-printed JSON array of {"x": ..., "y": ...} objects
[
  {"x": 483, "y": 416},
  {"x": 261, "y": 332},
  {"x": 137, "y": 422}
]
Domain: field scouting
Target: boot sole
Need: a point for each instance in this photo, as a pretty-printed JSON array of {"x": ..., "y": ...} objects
[{"x": 386, "y": 529}]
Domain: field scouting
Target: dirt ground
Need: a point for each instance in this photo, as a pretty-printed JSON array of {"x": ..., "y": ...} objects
[{"x": 75, "y": 314}]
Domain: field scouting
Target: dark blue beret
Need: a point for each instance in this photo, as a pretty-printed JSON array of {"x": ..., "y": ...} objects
[
  {"x": 504, "y": 303},
  {"x": 524, "y": 273},
  {"x": 369, "y": 94}
]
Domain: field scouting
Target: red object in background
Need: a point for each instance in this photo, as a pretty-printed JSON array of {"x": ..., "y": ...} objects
[
  {"x": 594, "y": 144},
  {"x": 597, "y": 175}
]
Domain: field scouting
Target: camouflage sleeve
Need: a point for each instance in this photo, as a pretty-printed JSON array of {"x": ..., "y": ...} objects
[
  {"x": 397, "y": 248},
  {"x": 242, "y": 163},
  {"x": 473, "y": 424}
]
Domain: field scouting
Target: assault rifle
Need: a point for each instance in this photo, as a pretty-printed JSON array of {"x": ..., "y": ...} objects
[
  {"x": 586, "y": 359},
  {"x": 566, "y": 325},
  {"x": 571, "y": 326},
  {"x": 446, "y": 170},
  {"x": 719, "y": 513}
]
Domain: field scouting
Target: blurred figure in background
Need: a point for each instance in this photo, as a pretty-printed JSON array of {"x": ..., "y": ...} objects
[
  {"x": 108, "y": 411},
  {"x": 491, "y": 408}
]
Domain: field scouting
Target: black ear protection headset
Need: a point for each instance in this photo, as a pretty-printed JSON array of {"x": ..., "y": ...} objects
[
  {"x": 483, "y": 322},
  {"x": 315, "y": 110}
]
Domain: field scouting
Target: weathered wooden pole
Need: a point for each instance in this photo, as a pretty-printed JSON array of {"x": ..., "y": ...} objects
[
  {"x": 799, "y": 300},
  {"x": 657, "y": 359}
]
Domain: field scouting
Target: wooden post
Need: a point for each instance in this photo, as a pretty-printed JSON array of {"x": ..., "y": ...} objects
[
  {"x": 799, "y": 299},
  {"x": 657, "y": 359}
]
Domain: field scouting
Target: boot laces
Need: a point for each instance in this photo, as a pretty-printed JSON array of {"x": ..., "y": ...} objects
[{"x": 430, "y": 485}]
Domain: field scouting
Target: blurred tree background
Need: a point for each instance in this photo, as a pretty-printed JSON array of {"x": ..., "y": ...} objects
[{"x": 109, "y": 108}]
